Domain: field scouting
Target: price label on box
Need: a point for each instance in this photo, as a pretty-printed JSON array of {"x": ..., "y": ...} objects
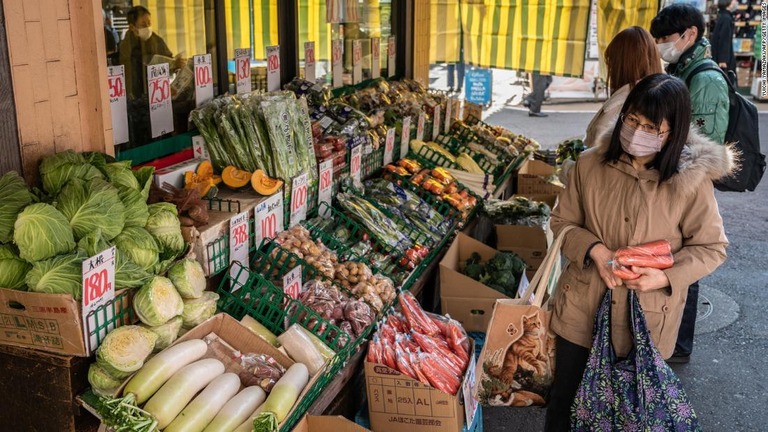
[
  {"x": 405, "y": 137},
  {"x": 199, "y": 149},
  {"x": 391, "y": 56},
  {"x": 117, "y": 103},
  {"x": 357, "y": 61},
  {"x": 273, "y": 68},
  {"x": 243, "y": 70},
  {"x": 436, "y": 124},
  {"x": 203, "y": 79},
  {"x": 159, "y": 91},
  {"x": 389, "y": 146},
  {"x": 299, "y": 197},
  {"x": 337, "y": 49},
  {"x": 309, "y": 61},
  {"x": 325, "y": 190},
  {"x": 420, "y": 127},
  {"x": 268, "y": 219},
  {"x": 356, "y": 159},
  {"x": 375, "y": 58},
  {"x": 98, "y": 289},
  {"x": 292, "y": 282},
  {"x": 239, "y": 242}
]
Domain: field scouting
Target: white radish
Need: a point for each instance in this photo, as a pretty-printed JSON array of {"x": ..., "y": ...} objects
[
  {"x": 247, "y": 425},
  {"x": 238, "y": 410},
  {"x": 206, "y": 405},
  {"x": 281, "y": 399},
  {"x": 175, "y": 394},
  {"x": 162, "y": 367}
]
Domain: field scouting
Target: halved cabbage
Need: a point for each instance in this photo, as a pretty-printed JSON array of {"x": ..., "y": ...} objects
[
  {"x": 200, "y": 309},
  {"x": 166, "y": 333},
  {"x": 124, "y": 350},
  {"x": 102, "y": 382},
  {"x": 188, "y": 277},
  {"x": 157, "y": 302}
]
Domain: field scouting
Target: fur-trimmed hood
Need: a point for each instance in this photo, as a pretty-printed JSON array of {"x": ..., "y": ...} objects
[{"x": 702, "y": 159}]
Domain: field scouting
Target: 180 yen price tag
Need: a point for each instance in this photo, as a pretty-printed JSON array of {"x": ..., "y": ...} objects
[
  {"x": 292, "y": 282},
  {"x": 243, "y": 70},
  {"x": 117, "y": 102},
  {"x": 238, "y": 247},
  {"x": 159, "y": 91},
  {"x": 273, "y": 68},
  {"x": 389, "y": 146},
  {"x": 299, "y": 198},
  {"x": 355, "y": 162},
  {"x": 203, "y": 79},
  {"x": 98, "y": 290},
  {"x": 325, "y": 190}
]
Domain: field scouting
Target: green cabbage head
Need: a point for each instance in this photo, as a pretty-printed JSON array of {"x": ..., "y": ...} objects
[
  {"x": 164, "y": 225},
  {"x": 198, "y": 310},
  {"x": 13, "y": 270},
  {"x": 14, "y": 196},
  {"x": 128, "y": 274},
  {"x": 42, "y": 232},
  {"x": 133, "y": 187},
  {"x": 166, "y": 333},
  {"x": 62, "y": 274},
  {"x": 92, "y": 205},
  {"x": 102, "y": 382},
  {"x": 124, "y": 350},
  {"x": 157, "y": 302},
  {"x": 188, "y": 277},
  {"x": 60, "y": 168},
  {"x": 139, "y": 245}
]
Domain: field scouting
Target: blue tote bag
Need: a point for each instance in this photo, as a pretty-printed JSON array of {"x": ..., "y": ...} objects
[{"x": 639, "y": 393}]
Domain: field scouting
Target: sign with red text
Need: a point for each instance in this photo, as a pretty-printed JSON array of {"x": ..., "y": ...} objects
[
  {"x": 273, "y": 68},
  {"x": 239, "y": 242},
  {"x": 299, "y": 198},
  {"x": 268, "y": 218},
  {"x": 436, "y": 123},
  {"x": 405, "y": 137},
  {"x": 98, "y": 290},
  {"x": 375, "y": 58},
  {"x": 159, "y": 91},
  {"x": 420, "y": 127},
  {"x": 356, "y": 159},
  {"x": 203, "y": 79},
  {"x": 391, "y": 56},
  {"x": 292, "y": 282},
  {"x": 448, "y": 115},
  {"x": 243, "y": 70},
  {"x": 309, "y": 61},
  {"x": 117, "y": 103},
  {"x": 357, "y": 61},
  {"x": 389, "y": 146},
  {"x": 325, "y": 189},
  {"x": 337, "y": 51}
]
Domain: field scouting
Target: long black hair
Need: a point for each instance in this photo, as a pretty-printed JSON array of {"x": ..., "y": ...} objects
[{"x": 658, "y": 97}]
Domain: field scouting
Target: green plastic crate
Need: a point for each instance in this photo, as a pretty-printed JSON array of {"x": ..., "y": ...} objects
[
  {"x": 372, "y": 163},
  {"x": 218, "y": 250},
  {"x": 112, "y": 314},
  {"x": 435, "y": 158}
]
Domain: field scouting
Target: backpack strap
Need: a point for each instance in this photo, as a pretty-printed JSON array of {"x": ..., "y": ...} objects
[{"x": 706, "y": 67}]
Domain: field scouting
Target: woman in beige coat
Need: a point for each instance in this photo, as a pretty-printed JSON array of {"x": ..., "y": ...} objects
[{"x": 650, "y": 179}]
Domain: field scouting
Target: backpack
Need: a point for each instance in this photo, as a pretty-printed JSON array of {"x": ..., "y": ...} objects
[{"x": 743, "y": 133}]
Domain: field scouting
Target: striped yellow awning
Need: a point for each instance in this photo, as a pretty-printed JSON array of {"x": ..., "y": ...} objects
[
  {"x": 614, "y": 16},
  {"x": 312, "y": 27},
  {"x": 181, "y": 23},
  {"x": 445, "y": 31},
  {"x": 239, "y": 32}
]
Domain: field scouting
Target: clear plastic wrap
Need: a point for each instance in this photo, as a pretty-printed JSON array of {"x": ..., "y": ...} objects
[
  {"x": 655, "y": 254},
  {"x": 416, "y": 317},
  {"x": 301, "y": 348},
  {"x": 260, "y": 370}
]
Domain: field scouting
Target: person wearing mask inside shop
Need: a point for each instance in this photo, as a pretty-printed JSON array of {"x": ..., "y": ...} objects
[{"x": 138, "y": 48}]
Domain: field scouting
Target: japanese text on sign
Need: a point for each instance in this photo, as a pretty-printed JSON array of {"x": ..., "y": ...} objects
[
  {"x": 375, "y": 58},
  {"x": 448, "y": 115},
  {"x": 337, "y": 47},
  {"x": 354, "y": 164},
  {"x": 238, "y": 245},
  {"x": 405, "y": 137},
  {"x": 325, "y": 191},
  {"x": 159, "y": 91},
  {"x": 299, "y": 198},
  {"x": 203, "y": 79},
  {"x": 98, "y": 290},
  {"x": 243, "y": 70},
  {"x": 357, "y": 61},
  {"x": 268, "y": 218},
  {"x": 391, "y": 56},
  {"x": 292, "y": 282},
  {"x": 420, "y": 127},
  {"x": 273, "y": 68},
  {"x": 117, "y": 102},
  {"x": 309, "y": 61},
  {"x": 199, "y": 149},
  {"x": 436, "y": 124},
  {"x": 389, "y": 146}
]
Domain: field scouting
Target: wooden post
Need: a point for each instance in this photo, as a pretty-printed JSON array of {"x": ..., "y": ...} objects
[{"x": 9, "y": 131}]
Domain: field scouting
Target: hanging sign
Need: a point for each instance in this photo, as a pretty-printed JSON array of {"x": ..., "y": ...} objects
[
  {"x": 325, "y": 190},
  {"x": 98, "y": 290},
  {"x": 375, "y": 58},
  {"x": 203, "y": 79},
  {"x": 357, "y": 61},
  {"x": 405, "y": 137},
  {"x": 436, "y": 124},
  {"x": 309, "y": 61},
  {"x": 338, "y": 68},
  {"x": 159, "y": 91},
  {"x": 116, "y": 82},
  {"x": 238, "y": 246},
  {"x": 299, "y": 192},
  {"x": 389, "y": 146},
  {"x": 273, "y": 68},
  {"x": 391, "y": 56},
  {"x": 355, "y": 162},
  {"x": 292, "y": 282},
  {"x": 198, "y": 148},
  {"x": 268, "y": 220},
  {"x": 420, "y": 127},
  {"x": 243, "y": 70}
]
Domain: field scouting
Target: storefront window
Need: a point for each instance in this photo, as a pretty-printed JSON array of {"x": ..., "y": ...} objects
[{"x": 251, "y": 24}]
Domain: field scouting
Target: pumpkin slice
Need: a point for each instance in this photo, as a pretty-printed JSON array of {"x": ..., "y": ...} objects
[
  {"x": 216, "y": 179},
  {"x": 263, "y": 184},
  {"x": 205, "y": 169},
  {"x": 234, "y": 177},
  {"x": 197, "y": 182}
]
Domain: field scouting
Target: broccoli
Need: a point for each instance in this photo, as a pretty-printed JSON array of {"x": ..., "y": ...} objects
[
  {"x": 475, "y": 271},
  {"x": 502, "y": 272}
]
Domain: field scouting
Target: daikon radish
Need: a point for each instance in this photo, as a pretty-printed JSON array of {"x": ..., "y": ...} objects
[
  {"x": 175, "y": 394},
  {"x": 238, "y": 410},
  {"x": 282, "y": 398},
  {"x": 247, "y": 425},
  {"x": 206, "y": 405}
]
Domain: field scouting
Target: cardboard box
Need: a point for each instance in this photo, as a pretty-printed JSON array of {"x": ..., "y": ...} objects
[
  {"x": 174, "y": 174},
  {"x": 397, "y": 403},
  {"x": 531, "y": 178},
  {"x": 531, "y": 243},
  {"x": 327, "y": 423}
]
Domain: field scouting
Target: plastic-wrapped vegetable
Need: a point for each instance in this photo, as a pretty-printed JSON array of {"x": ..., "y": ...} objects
[
  {"x": 403, "y": 362},
  {"x": 260, "y": 370},
  {"x": 300, "y": 347},
  {"x": 383, "y": 228},
  {"x": 415, "y": 315},
  {"x": 438, "y": 377}
]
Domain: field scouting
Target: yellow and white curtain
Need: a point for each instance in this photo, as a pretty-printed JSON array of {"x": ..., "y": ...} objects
[
  {"x": 614, "y": 16},
  {"x": 238, "y": 13},
  {"x": 445, "y": 31},
  {"x": 312, "y": 27},
  {"x": 181, "y": 23}
]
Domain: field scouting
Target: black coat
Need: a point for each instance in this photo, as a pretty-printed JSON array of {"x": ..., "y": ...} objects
[{"x": 722, "y": 40}]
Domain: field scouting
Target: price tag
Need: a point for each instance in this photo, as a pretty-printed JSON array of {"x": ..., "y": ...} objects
[
  {"x": 273, "y": 68},
  {"x": 391, "y": 55},
  {"x": 354, "y": 164},
  {"x": 159, "y": 91},
  {"x": 309, "y": 61},
  {"x": 375, "y": 58},
  {"x": 337, "y": 49},
  {"x": 470, "y": 403},
  {"x": 268, "y": 220},
  {"x": 448, "y": 115},
  {"x": 357, "y": 61},
  {"x": 389, "y": 146},
  {"x": 199, "y": 149},
  {"x": 203, "y": 79},
  {"x": 405, "y": 137},
  {"x": 420, "y": 127},
  {"x": 292, "y": 282},
  {"x": 299, "y": 197},
  {"x": 98, "y": 290},
  {"x": 239, "y": 242},
  {"x": 436, "y": 124},
  {"x": 243, "y": 70},
  {"x": 325, "y": 189},
  {"x": 116, "y": 82}
]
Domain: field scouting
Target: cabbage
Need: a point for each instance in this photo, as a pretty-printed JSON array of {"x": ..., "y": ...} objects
[
  {"x": 133, "y": 187},
  {"x": 124, "y": 350},
  {"x": 60, "y": 168},
  {"x": 102, "y": 382},
  {"x": 14, "y": 196},
  {"x": 42, "y": 232},
  {"x": 139, "y": 246},
  {"x": 157, "y": 302},
  {"x": 127, "y": 273},
  {"x": 188, "y": 277},
  {"x": 164, "y": 225},
  {"x": 198, "y": 310},
  {"x": 121, "y": 175},
  {"x": 98, "y": 160},
  {"x": 61, "y": 274},
  {"x": 92, "y": 205},
  {"x": 13, "y": 270},
  {"x": 166, "y": 333}
]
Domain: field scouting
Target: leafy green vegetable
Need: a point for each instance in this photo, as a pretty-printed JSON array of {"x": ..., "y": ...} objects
[
  {"x": 42, "y": 232},
  {"x": 98, "y": 160},
  {"x": 139, "y": 245},
  {"x": 102, "y": 382},
  {"x": 517, "y": 211},
  {"x": 133, "y": 187},
  {"x": 164, "y": 225},
  {"x": 157, "y": 302},
  {"x": 13, "y": 270},
  {"x": 14, "y": 196},
  {"x": 188, "y": 277},
  {"x": 198, "y": 310},
  {"x": 128, "y": 274},
  {"x": 61, "y": 274},
  {"x": 124, "y": 350},
  {"x": 503, "y": 272},
  {"x": 58, "y": 169},
  {"x": 166, "y": 333},
  {"x": 92, "y": 205}
]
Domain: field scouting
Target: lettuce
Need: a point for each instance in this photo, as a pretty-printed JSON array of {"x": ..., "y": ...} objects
[
  {"x": 42, "y": 232},
  {"x": 14, "y": 196},
  {"x": 164, "y": 225},
  {"x": 58, "y": 169},
  {"x": 92, "y": 205},
  {"x": 13, "y": 270},
  {"x": 59, "y": 275},
  {"x": 139, "y": 245}
]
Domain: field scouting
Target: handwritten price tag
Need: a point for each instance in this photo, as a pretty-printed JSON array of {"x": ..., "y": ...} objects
[
  {"x": 273, "y": 68},
  {"x": 299, "y": 198},
  {"x": 337, "y": 49},
  {"x": 391, "y": 56},
  {"x": 239, "y": 242},
  {"x": 405, "y": 137},
  {"x": 436, "y": 124},
  {"x": 159, "y": 91},
  {"x": 356, "y": 159},
  {"x": 420, "y": 127},
  {"x": 448, "y": 115},
  {"x": 325, "y": 191},
  {"x": 375, "y": 58},
  {"x": 98, "y": 290},
  {"x": 389, "y": 146},
  {"x": 357, "y": 61},
  {"x": 309, "y": 61},
  {"x": 203, "y": 79},
  {"x": 292, "y": 282},
  {"x": 243, "y": 70},
  {"x": 269, "y": 218},
  {"x": 116, "y": 82}
]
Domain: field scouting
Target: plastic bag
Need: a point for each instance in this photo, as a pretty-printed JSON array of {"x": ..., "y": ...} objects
[
  {"x": 656, "y": 254},
  {"x": 416, "y": 317},
  {"x": 301, "y": 348},
  {"x": 261, "y": 370},
  {"x": 438, "y": 377}
]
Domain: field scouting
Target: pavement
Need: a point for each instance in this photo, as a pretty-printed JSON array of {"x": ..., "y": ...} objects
[{"x": 726, "y": 378}]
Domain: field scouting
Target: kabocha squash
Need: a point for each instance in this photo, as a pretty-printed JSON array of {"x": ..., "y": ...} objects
[
  {"x": 205, "y": 169},
  {"x": 197, "y": 182},
  {"x": 234, "y": 177},
  {"x": 263, "y": 184}
]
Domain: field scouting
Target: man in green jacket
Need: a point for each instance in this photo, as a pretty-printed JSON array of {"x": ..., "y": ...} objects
[{"x": 679, "y": 30}]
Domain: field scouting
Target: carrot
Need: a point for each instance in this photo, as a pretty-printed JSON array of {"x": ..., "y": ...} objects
[
  {"x": 624, "y": 273},
  {"x": 657, "y": 261}
]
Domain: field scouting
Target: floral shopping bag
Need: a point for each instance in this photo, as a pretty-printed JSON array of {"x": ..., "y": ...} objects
[{"x": 640, "y": 393}]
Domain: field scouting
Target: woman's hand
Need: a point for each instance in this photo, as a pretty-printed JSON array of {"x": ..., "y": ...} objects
[
  {"x": 650, "y": 279},
  {"x": 601, "y": 257}
]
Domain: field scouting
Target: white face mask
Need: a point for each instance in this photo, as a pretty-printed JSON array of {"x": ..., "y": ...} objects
[
  {"x": 145, "y": 33},
  {"x": 669, "y": 51}
]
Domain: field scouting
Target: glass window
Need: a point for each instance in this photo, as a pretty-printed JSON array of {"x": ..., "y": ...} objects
[{"x": 251, "y": 24}]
